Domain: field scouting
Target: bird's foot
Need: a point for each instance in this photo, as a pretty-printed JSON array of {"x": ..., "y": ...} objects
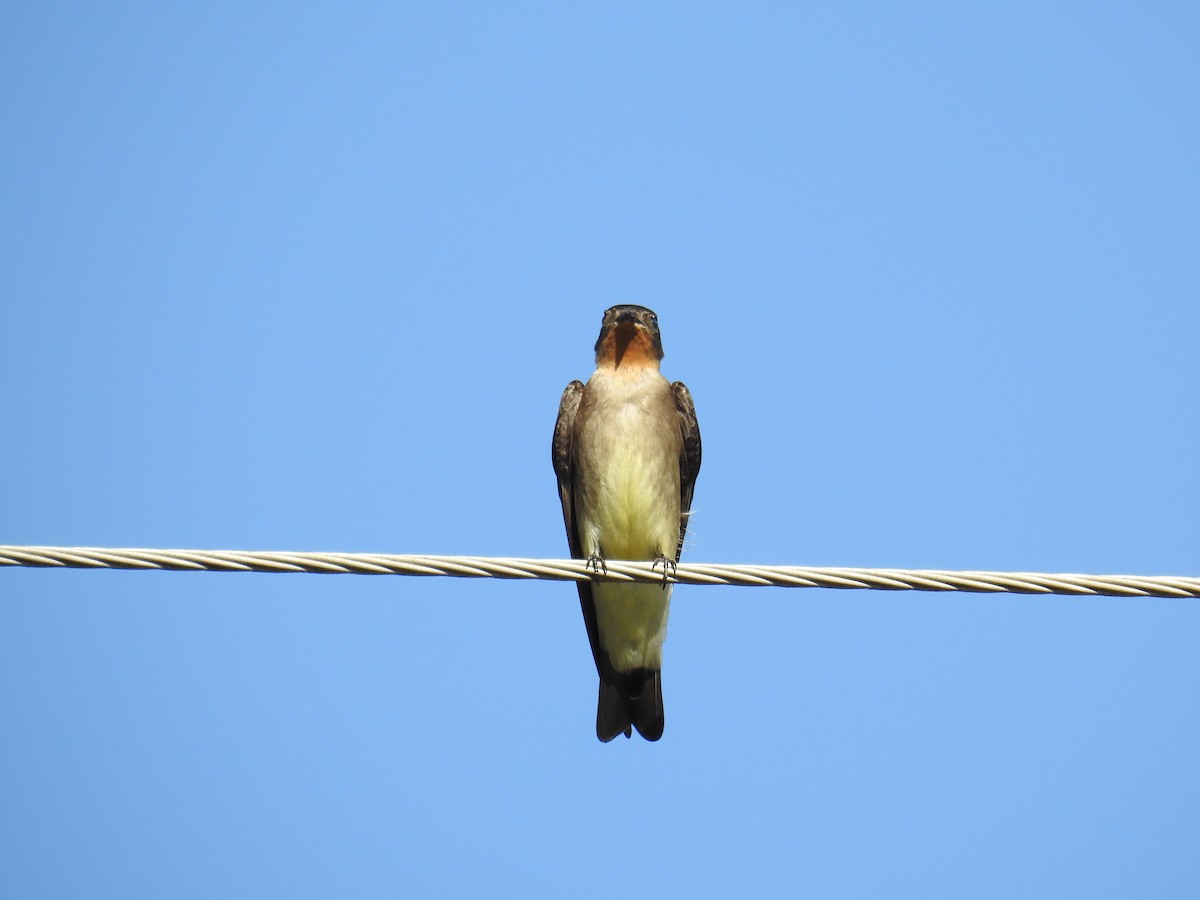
[
  {"x": 666, "y": 562},
  {"x": 596, "y": 563}
]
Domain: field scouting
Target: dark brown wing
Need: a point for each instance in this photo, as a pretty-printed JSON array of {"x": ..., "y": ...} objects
[
  {"x": 562, "y": 453},
  {"x": 689, "y": 456}
]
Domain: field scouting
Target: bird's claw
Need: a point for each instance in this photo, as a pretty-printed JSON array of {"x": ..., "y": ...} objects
[
  {"x": 596, "y": 563},
  {"x": 666, "y": 562}
]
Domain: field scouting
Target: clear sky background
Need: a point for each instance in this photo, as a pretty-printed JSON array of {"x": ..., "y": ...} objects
[{"x": 312, "y": 277}]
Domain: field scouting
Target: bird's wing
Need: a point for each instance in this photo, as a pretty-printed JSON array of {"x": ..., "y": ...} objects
[
  {"x": 563, "y": 458},
  {"x": 563, "y": 455},
  {"x": 689, "y": 456}
]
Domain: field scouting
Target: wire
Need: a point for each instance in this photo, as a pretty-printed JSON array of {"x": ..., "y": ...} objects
[{"x": 612, "y": 570}]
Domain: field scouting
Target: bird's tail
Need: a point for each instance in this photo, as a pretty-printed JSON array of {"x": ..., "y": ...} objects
[{"x": 630, "y": 700}]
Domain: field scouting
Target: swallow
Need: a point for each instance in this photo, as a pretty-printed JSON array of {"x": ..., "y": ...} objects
[{"x": 626, "y": 452}]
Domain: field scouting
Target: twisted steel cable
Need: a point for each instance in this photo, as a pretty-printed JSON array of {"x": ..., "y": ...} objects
[{"x": 615, "y": 570}]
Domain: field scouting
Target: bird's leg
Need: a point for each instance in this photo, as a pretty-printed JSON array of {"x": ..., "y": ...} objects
[
  {"x": 596, "y": 563},
  {"x": 665, "y": 562}
]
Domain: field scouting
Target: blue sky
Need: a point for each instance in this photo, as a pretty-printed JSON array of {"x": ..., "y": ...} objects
[{"x": 313, "y": 278}]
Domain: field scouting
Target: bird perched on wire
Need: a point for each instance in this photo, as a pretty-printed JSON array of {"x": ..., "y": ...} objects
[{"x": 626, "y": 452}]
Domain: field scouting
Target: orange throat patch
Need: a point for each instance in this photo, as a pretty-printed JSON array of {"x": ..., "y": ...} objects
[{"x": 627, "y": 345}]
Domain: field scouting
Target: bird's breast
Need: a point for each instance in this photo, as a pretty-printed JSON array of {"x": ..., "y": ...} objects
[{"x": 629, "y": 466}]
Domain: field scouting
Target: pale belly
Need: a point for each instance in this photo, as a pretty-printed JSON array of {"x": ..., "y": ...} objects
[
  {"x": 631, "y": 512},
  {"x": 632, "y": 505},
  {"x": 632, "y": 621}
]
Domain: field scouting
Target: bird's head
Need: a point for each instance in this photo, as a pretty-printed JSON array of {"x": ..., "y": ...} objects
[{"x": 629, "y": 336}]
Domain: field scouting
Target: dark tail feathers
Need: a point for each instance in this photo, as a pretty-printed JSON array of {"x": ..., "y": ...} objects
[{"x": 630, "y": 700}]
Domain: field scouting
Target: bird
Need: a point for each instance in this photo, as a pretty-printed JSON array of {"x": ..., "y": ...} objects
[{"x": 626, "y": 453}]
